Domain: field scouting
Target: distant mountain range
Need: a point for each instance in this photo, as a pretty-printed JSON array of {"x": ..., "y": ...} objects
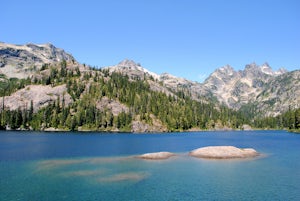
[
  {"x": 271, "y": 92},
  {"x": 257, "y": 88}
]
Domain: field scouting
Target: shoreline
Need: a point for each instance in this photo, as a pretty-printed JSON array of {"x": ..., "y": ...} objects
[{"x": 137, "y": 133}]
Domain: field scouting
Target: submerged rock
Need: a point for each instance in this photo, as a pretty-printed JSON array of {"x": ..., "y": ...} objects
[
  {"x": 156, "y": 155},
  {"x": 223, "y": 152}
]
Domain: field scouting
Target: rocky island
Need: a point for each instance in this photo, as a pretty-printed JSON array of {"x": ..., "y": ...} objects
[
  {"x": 156, "y": 155},
  {"x": 223, "y": 152}
]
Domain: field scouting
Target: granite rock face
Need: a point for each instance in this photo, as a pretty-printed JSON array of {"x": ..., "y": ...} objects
[
  {"x": 139, "y": 126},
  {"x": 40, "y": 95},
  {"x": 223, "y": 152},
  {"x": 112, "y": 105}
]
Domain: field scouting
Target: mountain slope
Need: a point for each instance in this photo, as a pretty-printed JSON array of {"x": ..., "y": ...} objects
[
  {"x": 165, "y": 82},
  {"x": 270, "y": 92},
  {"x": 22, "y": 60},
  {"x": 279, "y": 94},
  {"x": 237, "y": 88}
]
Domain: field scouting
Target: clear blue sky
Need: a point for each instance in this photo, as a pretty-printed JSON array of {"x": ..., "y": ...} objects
[{"x": 187, "y": 38}]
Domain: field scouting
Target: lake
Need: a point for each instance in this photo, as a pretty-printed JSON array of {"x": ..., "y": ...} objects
[{"x": 99, "y": 166}]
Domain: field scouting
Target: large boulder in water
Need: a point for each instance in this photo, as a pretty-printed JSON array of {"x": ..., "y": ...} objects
[
  {"x": 156, "y": 155},
  {"x": 223, "y": 152}
]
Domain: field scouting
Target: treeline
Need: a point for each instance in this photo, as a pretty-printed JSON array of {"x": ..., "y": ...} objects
[
  {"x": 289, "y": 120},
  {"x": 15, "y": 119},
  {"x": 176, "y": 112}
]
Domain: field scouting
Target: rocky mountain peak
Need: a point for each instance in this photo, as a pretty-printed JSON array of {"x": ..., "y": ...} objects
[
  {"x": 222, "y": 75},
  {"x": 237, "y": 88},
  {"x": 132, "y": 69},
  {"x": 21, "y": 60},
  {"x": 172, "y": 81},
  {"x": 166, "y": 76},
  {"x": 266, "y": 64},
  {"x": 281, "y": 71},
  {"x": 254, "y": 71},
  {"x": 265, "y": 68},
  {"x": 127, "y": 63},
  {"x": 226, "y": 70},
  {"x": 250, "y": 66}
]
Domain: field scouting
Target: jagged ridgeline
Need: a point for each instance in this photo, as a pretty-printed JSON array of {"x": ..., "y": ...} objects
[{"x": 44, "y": 88}]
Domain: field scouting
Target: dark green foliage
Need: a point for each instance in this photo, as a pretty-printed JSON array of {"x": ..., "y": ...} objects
[
  {"x": 289, "y": 119},
  {"x": 10, "y": 85},
  {"x": 63, "y": 69},
  {"x": 297, "y": 119},
  {"x": 44, "y": 67}
]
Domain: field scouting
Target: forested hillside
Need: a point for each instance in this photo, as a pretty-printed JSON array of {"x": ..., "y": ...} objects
[
  {"x": 135, "y": 106},
  {"x": 87, "y": 89}
]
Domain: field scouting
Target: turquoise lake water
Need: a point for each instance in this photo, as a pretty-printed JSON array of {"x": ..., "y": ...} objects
[{"x": 94, "y": 166}]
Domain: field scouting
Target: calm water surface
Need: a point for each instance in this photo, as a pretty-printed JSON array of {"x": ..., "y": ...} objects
[{"x": 95, "y": 166}]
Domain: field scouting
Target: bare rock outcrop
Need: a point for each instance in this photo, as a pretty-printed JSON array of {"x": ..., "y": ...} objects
[
  {"x": 155, "y": 86},
  {"x": 156, "y": 155},
  {"x": 246, "y": 127},
  {"x": 139, "y": 126},
  {"x": 113, "y": 105},
  {"x": 40, "y": 95},
  {"x": 223, "y": 152}
]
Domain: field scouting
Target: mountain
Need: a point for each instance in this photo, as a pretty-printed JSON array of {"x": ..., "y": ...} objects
[
  {"x": 22, "y": 60},
  {"x": 165, "y": 82},
  {"x": 43, "y": 87},
  {"x": 132, "y": 69},
  {"x": 270, "y": 92}
]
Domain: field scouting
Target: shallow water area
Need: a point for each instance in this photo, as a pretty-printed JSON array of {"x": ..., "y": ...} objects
[{"x": 104, "y": 167}]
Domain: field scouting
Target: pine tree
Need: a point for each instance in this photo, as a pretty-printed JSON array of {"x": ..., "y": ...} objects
[{"x": 297, "y": 119}]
